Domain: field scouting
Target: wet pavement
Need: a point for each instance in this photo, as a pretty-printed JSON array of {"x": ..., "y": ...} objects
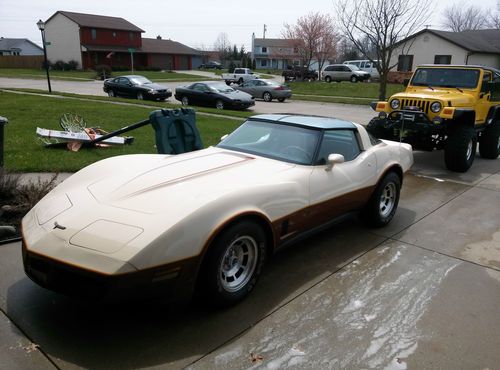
[{"x": 422, "y": 293}]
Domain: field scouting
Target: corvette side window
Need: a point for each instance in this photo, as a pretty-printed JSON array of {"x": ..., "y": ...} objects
[{"x": 338, "y": 142}]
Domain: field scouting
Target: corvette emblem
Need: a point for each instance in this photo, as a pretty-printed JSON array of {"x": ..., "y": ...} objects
[{"x": 57, "y": 226}]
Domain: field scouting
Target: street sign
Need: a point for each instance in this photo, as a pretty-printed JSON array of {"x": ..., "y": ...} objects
[
  {"x": 131, "y": 50},
  {"x": 47, "y": 43}
]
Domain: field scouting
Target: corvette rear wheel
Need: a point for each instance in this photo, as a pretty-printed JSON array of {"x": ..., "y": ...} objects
[
  {"x": 383, "y": 204},
  {"x": 233, "y": 265}
]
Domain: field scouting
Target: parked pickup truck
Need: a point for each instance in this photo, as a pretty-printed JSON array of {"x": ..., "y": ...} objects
[
  {"x": 299, "y": 73},
  {"x": 239, "y": 76}
]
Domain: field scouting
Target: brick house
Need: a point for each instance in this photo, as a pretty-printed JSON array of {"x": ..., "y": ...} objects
[{"x": 95, "y": 39}]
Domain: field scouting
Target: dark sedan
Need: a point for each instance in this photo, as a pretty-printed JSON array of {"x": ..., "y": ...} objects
[
  {"x": 265, "y": 89},
  {"x": 138, "y": 87},
  {"x": 213, "y": 93}
]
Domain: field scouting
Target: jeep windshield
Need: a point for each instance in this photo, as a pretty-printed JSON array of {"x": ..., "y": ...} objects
[{"x": 446, "y": 77}]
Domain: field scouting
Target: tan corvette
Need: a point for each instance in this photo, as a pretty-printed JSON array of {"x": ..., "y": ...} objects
[{"x": 205, "y": 221}]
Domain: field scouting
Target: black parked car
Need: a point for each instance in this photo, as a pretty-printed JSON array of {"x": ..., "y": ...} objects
[
  {"x": 213, "y": 93},
  {"x": 211, "y": 65},
  {"x": 136, "y": 87}
]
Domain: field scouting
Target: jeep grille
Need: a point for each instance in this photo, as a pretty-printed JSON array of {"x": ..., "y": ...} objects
[{"x": 422, "y": 104}]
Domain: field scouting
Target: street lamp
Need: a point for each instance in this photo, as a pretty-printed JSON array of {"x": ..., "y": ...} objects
[{"x": 41, "y": 27}]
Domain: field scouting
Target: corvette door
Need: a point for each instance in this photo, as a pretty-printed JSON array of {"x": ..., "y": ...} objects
[{"x": 345, "y": 186}]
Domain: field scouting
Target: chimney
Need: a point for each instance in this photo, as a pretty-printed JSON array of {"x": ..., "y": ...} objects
[{"x": 158, "y": 37}]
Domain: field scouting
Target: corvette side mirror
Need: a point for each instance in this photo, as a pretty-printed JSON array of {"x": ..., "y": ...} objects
[{"x": 334, "y": 159}]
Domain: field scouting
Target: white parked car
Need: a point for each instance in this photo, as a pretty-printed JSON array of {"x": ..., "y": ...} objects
[
  {"x": 205, "y": 221},
  {"x": 344, "y": 72}
]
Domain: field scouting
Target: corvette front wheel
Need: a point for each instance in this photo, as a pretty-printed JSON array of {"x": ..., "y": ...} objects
[{"x": 233, "y": 264}]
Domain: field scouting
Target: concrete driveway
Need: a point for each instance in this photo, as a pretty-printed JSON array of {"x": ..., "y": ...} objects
[
  {"x": 358, "y": 113},
  {"x": 423, "y": 292}
]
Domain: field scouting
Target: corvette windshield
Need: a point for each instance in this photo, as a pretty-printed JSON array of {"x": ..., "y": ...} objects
[
  {"x": 446, "y": 77},
  {"x": 274, "y": 140}
]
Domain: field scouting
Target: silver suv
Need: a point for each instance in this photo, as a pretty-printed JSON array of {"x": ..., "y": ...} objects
[{"x": 344, "y": 72}]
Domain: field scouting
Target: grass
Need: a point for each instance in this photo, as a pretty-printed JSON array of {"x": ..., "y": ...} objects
[
  {"x": 343, "y": 89},
  {"x": 24, "y": 153},
  {"x": 90, "y": 75},
  {"x": 150, "y": 103}
]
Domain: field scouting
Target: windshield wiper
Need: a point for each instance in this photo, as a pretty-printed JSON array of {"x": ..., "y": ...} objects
[
  {"x": 459, "y": 89},
  {"x": 430, "y": 87}
]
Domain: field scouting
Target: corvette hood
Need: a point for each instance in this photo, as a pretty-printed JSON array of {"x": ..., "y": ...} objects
[{"x": 183, "y": 181}]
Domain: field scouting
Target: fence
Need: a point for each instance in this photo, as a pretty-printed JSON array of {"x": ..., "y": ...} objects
[{"x": 21, "y": 61}]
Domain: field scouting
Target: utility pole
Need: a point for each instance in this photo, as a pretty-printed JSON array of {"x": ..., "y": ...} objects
[{"x": 265, "y": 29}]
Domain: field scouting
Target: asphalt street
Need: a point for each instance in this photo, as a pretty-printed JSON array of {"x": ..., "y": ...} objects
[
  {"x": 421, "y": 293},
  {"x": 359, "y": 114}
]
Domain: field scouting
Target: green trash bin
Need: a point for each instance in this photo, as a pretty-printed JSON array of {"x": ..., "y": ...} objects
[{"x": 175, "y": 130}]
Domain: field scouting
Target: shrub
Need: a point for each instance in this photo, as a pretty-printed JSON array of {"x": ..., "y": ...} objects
[
  {"x": 103, "y": 71},
  {"x": 58, "y": 65},
  {"x": 72, "y": 65}
]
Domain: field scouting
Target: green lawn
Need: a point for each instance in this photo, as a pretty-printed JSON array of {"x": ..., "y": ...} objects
[
  {"x": 343, "y": 89},
  {"x": 24, "y": 153},
  {"x": 90, "y": 75}
]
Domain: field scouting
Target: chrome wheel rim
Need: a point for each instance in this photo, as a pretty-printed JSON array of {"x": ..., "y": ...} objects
[
  {"x": 238, "y": 263},
  {"x": 267, "y": 97},
  {"x": 185, "y": 101},
  {"x": 387, "y": 199},
  {"x": 469, "y": 150},
  {"x": 219, "y": 105},
  {"x": 139, "y": 96}
]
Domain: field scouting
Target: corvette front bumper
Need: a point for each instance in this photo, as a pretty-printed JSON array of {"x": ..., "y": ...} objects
[{"x": 174, "y": 281}]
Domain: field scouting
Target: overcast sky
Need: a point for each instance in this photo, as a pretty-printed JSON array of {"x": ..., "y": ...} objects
[{"x": 194, "y": 23}]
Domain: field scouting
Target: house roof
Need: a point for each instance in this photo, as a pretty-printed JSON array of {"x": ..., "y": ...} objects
[
  {"x": 151, "y": 46},
  {"x": 98, "y": 21},
  {"x": 160, "y": 46},
  {"x": 276, "y": 42},
  {"x": 9, "y": 44},
  {"x": 477, "y": 41}
]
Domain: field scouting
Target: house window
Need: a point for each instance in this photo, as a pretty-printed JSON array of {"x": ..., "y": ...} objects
[
  {"x": 264, "y": 49},
  {"x": 442, "y": 59},
  {"x": 405, "y": 63},
  {"x": 295, "y": 50},
  {"x": 263, "y": 62},
  {"x": 131, "y": 35},
  {"x": 114, "y": 34},
  {"x": 93, "y": 33}
]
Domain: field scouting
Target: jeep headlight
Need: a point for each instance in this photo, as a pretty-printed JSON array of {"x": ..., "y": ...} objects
[
  {"x": 435, "y": 107},
  {"x": 395, "y": 103}
]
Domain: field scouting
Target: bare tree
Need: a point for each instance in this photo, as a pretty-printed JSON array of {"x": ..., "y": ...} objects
[
  {"x": 494, "y": 18},
  {"x": 222, "y": 45},
  {"x": 326, "y": 48},
  {"x": 460, "y": 17},
  {"x": 386, "y": 24},
  {"x": 305, "y": 33}
]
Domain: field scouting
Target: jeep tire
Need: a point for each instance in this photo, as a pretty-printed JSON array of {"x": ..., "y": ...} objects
[
  {"x": 489, "y": 143},
  {"x": 460, "y": 149}
]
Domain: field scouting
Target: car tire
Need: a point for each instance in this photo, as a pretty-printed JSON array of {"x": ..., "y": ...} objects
[
  {"x": 267, "y": 96},
  {"x": 240, "y": 81},
  {"x": 228, "y": 83},
  {"x": 384, "y": 201},
  {"x": 281, "y": 100},
  {"x": 233, "y": 264},
  {"x": 354, "y": 79},
  {"x": 111, "y": 94},
  {"x": 489, "y": 143},
  {"x": 140, "y": 96},
  {"x": 185, "y": 101},
  {"x": 328, "y": 79},
  {"x": 460, "y": 149},
  {"x": 219, "y": 104}
]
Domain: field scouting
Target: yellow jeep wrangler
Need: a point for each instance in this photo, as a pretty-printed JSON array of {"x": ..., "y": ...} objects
[{"x": 450, "y": 107}]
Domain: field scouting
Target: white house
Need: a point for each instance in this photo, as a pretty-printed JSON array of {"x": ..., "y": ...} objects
[
  {"x": 444, "y": 47},
  {"x": 275, "y": 53},
  {"x": 19, "y": 47}
]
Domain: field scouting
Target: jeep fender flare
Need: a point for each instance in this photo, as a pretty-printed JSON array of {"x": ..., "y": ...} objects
[
  {"x": 466, "y": 117},
  {"x": 493, "y": 115}
]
